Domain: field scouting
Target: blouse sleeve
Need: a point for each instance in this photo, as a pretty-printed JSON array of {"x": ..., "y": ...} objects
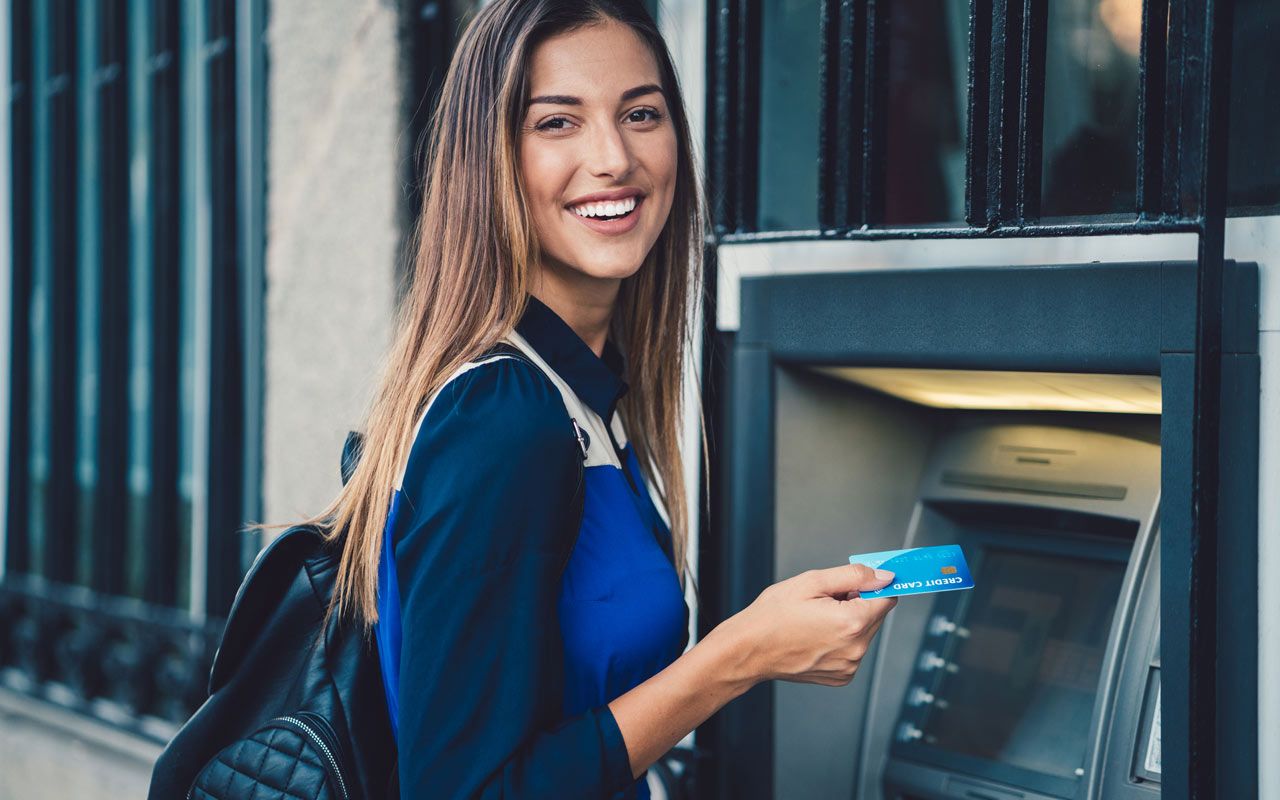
[{"x": 478, "y": 553}]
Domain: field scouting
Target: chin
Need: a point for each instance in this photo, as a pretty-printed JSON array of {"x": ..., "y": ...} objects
[{"x": 608, "y": 270}]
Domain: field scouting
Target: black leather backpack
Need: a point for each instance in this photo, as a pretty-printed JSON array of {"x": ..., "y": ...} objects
[
  {"x": 314, "y": 709},
  {"x": 289, "y": 715}
]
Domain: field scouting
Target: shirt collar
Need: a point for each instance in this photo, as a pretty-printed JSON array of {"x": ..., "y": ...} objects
[{"x": 597, "y": 380}]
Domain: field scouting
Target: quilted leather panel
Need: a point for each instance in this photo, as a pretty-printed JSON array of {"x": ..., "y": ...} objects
[{"x": 275, "y": 763}]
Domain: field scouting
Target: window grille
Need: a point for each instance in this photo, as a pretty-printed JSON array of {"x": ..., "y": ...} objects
[{"x": 133, "y": 283}]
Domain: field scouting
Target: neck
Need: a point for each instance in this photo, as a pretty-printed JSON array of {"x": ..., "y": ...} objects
[{"x": 585, "y": 305}]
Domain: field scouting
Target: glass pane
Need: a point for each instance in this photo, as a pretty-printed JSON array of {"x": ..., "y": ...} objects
[
  {"x": 928, "y": 95},
  {"x": 140, "y": 293},
  {"x": 1254, "y": 159},
  {"x": 1091, "y": 107},
  {"x": 40, "y": 332},
  {"x": 90, "y": 251},
  {"x": 789, "y": 108}
]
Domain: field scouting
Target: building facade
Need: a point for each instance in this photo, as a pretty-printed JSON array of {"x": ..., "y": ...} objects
[{"x": 203, "y": 226}]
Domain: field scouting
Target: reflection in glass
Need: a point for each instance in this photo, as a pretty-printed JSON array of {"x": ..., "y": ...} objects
[
  {"x": 927, "y": 91},
  {"x": 789, "y": 114},
  {"x": 1253, "y": 177},
  {"x": 1091, "y": 107},
  {"x": 1028, "y": 672}
]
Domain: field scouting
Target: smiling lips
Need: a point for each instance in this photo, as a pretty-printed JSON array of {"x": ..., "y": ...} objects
[{"x": 617, "y": 224}]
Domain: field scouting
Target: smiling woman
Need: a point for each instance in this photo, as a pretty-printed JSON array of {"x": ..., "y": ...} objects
[
  {"x": 588, "y": 128},
  {"x": 514, "y": 532}
]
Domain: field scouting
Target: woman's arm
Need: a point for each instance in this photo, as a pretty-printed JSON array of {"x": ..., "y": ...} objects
[
  {"x": 800, "y": 630},
  {"x": 478, "y": 557}
]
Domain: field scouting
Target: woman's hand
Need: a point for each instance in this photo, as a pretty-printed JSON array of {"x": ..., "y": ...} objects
[{"x": 812, "y": 628}]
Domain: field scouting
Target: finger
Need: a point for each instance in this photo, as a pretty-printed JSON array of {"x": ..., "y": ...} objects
[
  {"x": 839, "y": 581},
  {"x": 873, "y": 607}
]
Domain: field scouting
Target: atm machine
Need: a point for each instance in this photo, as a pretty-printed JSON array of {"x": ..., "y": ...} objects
[
  {"x": 1044, "y": 678},
  {"x": 994, "y": 419}
]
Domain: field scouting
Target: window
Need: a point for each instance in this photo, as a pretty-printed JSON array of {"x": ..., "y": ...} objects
[
  {"x": 1091, "y": 107},
  {"x": 928, "y": 50},
  {"x": 127, "y": 385},
  {"x": 789, "y": 108},
  {"x": 838, "y": 119},
  {"x": 1253, "y": 177}
]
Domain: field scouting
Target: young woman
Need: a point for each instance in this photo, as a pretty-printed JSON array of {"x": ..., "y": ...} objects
[{"x": 529, "y": 649}]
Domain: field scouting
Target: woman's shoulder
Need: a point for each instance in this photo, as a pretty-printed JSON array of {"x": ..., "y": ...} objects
[{"x": 497, "y": 408}]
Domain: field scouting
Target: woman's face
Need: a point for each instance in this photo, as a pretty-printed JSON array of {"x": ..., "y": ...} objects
[{"x": 597, "y": 122}]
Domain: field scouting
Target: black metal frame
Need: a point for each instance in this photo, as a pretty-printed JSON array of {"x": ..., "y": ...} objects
[
  {"x": 16, "y": 544},
  {"x": 163, "y": 508},
  {"x": 1181, "y": 187},
  {"x": 224, "y": 557}
]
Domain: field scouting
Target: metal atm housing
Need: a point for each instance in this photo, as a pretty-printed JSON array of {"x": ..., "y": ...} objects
[
  {"x": 1040, "y": 680},
  {"x": 849, "y": 435}
]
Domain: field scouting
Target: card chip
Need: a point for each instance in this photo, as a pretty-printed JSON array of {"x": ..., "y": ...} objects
[{"x": 948, "y": 570}]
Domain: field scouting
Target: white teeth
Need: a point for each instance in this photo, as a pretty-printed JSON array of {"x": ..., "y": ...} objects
[{"x": 608, "y": 209}]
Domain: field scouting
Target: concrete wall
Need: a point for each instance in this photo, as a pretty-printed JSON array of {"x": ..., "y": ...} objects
[{"x": 335, "y": 148}]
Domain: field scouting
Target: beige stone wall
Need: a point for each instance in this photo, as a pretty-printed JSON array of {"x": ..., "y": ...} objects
[{"x": 335, "y": 150}]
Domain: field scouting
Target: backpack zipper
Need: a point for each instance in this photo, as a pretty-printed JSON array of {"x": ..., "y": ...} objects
[
  {"x": 314, "y": 736},
  {"x": 319, "y": 742}
]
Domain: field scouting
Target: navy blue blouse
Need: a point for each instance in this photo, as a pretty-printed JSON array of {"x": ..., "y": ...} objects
[{"x": 498, "y": 657}]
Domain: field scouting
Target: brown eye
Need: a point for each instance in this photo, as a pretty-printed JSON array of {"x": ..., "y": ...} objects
[
  {"x": 547, "y": 125},
  {"x": 654, "y": 113}
]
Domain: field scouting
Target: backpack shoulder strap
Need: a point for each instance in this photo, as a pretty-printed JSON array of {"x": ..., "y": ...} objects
[{"x": 261, "y": 591}]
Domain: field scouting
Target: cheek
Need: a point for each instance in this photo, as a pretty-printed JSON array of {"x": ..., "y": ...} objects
[
  {"x": 660, "y": 157},
  {"x": 541, "y": 172}
]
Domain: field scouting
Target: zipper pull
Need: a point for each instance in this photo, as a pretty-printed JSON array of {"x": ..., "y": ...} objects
[{"x": 584, "y": 439}]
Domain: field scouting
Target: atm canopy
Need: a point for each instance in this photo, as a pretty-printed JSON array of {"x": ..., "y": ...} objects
[{"x": 1098, "y": 318}]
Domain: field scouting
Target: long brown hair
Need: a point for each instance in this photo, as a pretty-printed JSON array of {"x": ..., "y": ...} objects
[{"x": 474, "y": 247}]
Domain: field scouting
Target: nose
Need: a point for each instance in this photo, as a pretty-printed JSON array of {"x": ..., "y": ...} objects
[{"x": 608, "y": 152}]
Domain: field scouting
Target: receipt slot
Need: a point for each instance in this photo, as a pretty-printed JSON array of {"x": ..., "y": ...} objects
[{"x": 1037, "y": 418}]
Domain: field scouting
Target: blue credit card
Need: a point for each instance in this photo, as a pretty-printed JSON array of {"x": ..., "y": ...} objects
[{"x": 921, "y": 570}]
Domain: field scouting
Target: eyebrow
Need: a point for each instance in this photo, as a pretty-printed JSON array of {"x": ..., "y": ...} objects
[{"x": 570, "y": 100}]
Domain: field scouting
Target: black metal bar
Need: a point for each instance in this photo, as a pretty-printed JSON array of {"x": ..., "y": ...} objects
[
  {"x": 747, "y": 118},
  {"x": 875, "y": 116},
  {"x": 733, "y": 32},
  {"x": 712, "y": 505},
  {"x": 1205, "y": 116},
  {"x": 430, "y": 34},
  {"x": 720, "y": 53},
  {"x": 108, "y": 570},
  {"x": 1152, "y": 72},
  {"x": 1035, "y": 23},
  {"x": 1002, "y": 148},
  {"x": 60, "y": 89},
  {"x": 977, "y": 147},
  {"x": 162, "y": 509},
  {"x": 747, "y": 724},
  {"x": 833, "y": 156},
  {"x": 17, "y": 541},
  {"x": 1171, "y": 199},
  {"x": 1143, "y": 227},
  {"x": 226, "y": 430},
  {"x": 851, "y": 168}
]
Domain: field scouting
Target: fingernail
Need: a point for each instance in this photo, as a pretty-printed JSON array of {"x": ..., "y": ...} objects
[{"x": 884, "y": 575}]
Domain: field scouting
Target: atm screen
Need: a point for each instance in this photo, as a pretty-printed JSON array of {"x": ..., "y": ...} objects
[{"x": 1022, "y": 686}]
